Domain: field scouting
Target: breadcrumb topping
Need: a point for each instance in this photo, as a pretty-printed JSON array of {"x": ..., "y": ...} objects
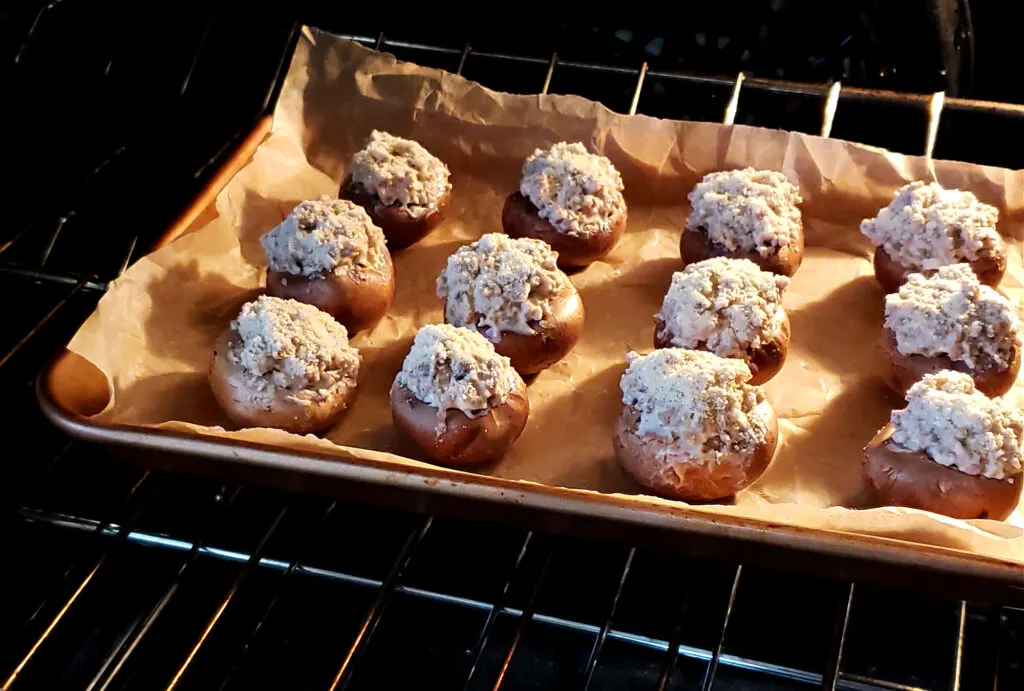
[
  {"x": 697, "y": 402},
  {"x": 726, "y": 306},
  {"x": 500, "y": 284},
  {"x": 450, "y": 367},
  {"x": 288, "y": 345},
  {"x": 578, "y": 192},
  {"x": 748, "y": 209},
  {"x": 926, "y": 226},
  {"x": 951, "y": 313},
  {"x": 325, "y": 235},
  {"x": 400, "y": 172},
  {"x": 955, "y": 425}
]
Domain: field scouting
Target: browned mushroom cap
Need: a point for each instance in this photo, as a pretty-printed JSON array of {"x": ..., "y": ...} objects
[
  {"x": 550, "y": 341},
  {"x": 696, "y": 246},
  {"x": 552, "y": 338},
  {"x": 906, "y": 370},
  {"x": 464, "y": 440},
  {"x": 357, "y": 301},
  {"x": 675, "y": 476},
  {"x": 764, "y": 362},
  {"x": 520, "y": 219},
  {"x": 902, "y": 478},
  {"x": 400, "y": 227},
  {"x": 891, "y": 274},
  {"x": 283, "y": 411}
]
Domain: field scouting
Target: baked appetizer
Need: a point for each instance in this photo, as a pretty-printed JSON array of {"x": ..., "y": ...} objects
[
  {"x": 951, "y": 450},
  {"x": 692, "y": 427},
  {"x": 572, "y": 200},
  {"x": 403, "y": 187},
  {"x": 284, "y": 364},
  {"x": 329, "y": 254},
  {"x": 926, "y": 226},
  {"x": 728, "y": 307},
  {"x": 745, "y": 214},
  {"x": 512, "y": 292},
  {"x": 950, "y": 321},
  {"x": 457, "y": 399}
]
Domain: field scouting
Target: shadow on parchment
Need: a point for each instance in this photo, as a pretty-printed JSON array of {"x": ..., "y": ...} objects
[
  {"x": 615, "y": 323},
  {"x": 259, "y": 216},
  {"x": 841, "y": 329},
  {"x": 568, "y": 442},
  {"x": 367, "y": 424},
  {"x": 206, "y": 304},
  {"x": 825, "y": 456},
  {"x": 182, "y": 396}
]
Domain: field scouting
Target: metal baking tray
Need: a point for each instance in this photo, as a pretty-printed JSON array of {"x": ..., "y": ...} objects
[{"x": 71, "y": 390}]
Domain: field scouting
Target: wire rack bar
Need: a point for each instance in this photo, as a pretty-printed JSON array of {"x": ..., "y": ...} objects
[
  {"x": 674, "y": 649},
  {"x": 88, "y": 283},
  {"x": 463, "y": 57},
  {"x": 117, "y": 658},
  {"x": 283, "y": 588},
  {"x": 712, "y": 668},
  {"x": 40, "y": 324},
  {"x": 31, "y": 31},
  {"x": 14, "y": 238},
  {"x": 830, "y": 679},
  {"x": 550, "y": 73},
  {"x": 128, "y": 256},
  {"x": 495, "y": 610},
  {"x": 831, "y": 105},
  {"x": 847, "y": 681},
  {"x": 524, "y": 619},
  {"x": 61, "y": 222},
  {"x": 243, "y": 576},
  {"x": 373, "y": 616},
  {"x": 935, "y": 106},
  {"x": 281, "y": 71},
  {"x": 734, "y": 100},
  {"x": 230, "y": 145},
  {"x": 595, "y": 651},
  {"x": 779, "y": 86},
  {"x": 636, "y": 91},
  {"x": 958, "y": 646},
  {"x": 195, "y": 56},
  {"x": 120, "y": 539}
]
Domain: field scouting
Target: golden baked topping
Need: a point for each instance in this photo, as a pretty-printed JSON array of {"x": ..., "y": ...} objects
[
  {"x": 326, "y": 235},
  {"x": 699, "y": 403},
  {"x": 951, "y": 313},
  {"x": 288, "y": 345},
  {"x": 578, "y": 192},
  {"x": 726, "y": 306},
  {"x": 952, "y": 423},
  {"x": 926, "y": 226},
  {"x": 748, "y": 209},
  {"x": 400, "y": 171},
  {"x": 450, "y": 367},
  {"x": 499, "y": 284}
]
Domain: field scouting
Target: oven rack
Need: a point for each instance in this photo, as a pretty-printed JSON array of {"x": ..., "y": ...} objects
[{"x": 133, "y": 579}]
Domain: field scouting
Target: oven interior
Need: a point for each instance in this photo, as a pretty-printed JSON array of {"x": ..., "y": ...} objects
[{"x": 121, "y": 577}]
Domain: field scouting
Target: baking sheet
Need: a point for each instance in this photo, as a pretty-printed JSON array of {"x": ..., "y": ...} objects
[{"x": 153, "y": 332}]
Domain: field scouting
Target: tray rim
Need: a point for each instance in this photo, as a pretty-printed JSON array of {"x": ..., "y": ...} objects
[
  {"x": 579, "y": 503},
  {"x": 457, "y": 484}
]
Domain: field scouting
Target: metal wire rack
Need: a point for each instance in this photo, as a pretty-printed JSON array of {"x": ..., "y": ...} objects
[{"x": 123, "y": 578}]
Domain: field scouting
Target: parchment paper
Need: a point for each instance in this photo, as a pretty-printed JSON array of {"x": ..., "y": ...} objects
[{"x": 153, "y": 332}]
